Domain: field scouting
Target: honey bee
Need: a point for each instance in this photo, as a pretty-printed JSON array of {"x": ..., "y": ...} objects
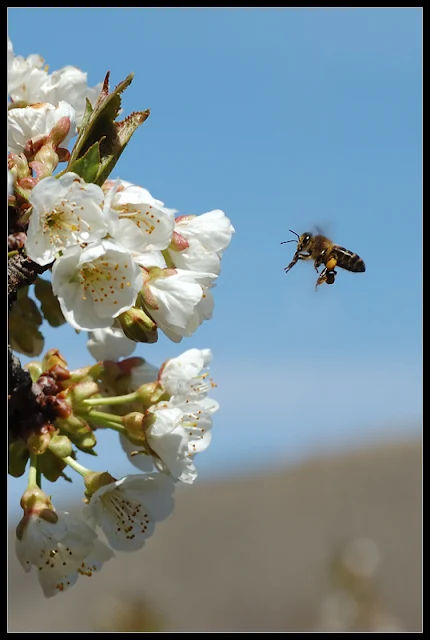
[{"x": 323, "y": 251}]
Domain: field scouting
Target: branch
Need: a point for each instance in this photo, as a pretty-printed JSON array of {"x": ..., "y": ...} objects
[
  {"x": 21, "y": 272},
  {"x": 20, "y": 395},
  {"x": 18, "y": 377},
  {"x": 33, "y": 406}
]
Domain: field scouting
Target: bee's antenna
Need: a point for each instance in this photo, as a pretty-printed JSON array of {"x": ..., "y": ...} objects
[{"x": 291, "y": 231}]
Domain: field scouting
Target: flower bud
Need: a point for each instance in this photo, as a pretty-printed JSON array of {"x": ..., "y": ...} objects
[
  {"x": 178, "y": 242},
  {"x": 53, "y": 357},
  {"x": 40, "y": 170},
  {"x": 90, "y": 373},
  {"x": 150, "y": 393},
  {"x": 79, "y": 432},
  {"x": 35, "y": 370},
  {"x": 138, "y": 326},
  {"x": 23, "y": 188},
  {"x": 45, "y": 161},
  {"x": 38, "y": 442},
  {"x": 75, "y": 395},
  {"x": 60, "y": 446},
  {"x": 35, "y": 501},
  {"x": 59, "y": 131},
  {"x": 18, "y": 165},
  {"x": 135, "y": 425},
  {"x": 145, "y": 295},
  {"x": 94, "y": 480},
  {"x": 83, "y": 390}
]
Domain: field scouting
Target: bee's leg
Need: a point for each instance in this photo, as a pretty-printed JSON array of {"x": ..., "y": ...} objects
[
  {"x": 321, "y": 278},
  {"x": 297, "y": 257},
  {"x": 292, "y": 263},
  {"x": 326, "y": 275},
  {"x": 319, "y": 260},
  {"x": 330, "y": 276}
]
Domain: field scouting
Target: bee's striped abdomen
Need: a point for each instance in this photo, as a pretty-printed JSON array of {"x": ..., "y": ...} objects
[{"x": 348, "y": 260}]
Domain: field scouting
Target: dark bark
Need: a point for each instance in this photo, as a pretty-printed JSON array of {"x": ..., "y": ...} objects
[
  {"x": 23, "y": 408},
  {"x": 21, "y": 272}
]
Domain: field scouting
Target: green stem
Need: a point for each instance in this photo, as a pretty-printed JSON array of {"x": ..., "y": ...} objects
[
  {"x": 32, "y": 472},
  {"x": 76, "y": 466},
  {"x": 109, "y": 417},
  {"x": 115, "y": 400},
  {"x": 105, "y": 419},
  {"x": 12, "y": 253}
]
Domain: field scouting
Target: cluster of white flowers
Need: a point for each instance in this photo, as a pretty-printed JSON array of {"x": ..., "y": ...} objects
[
  {"x": 111, "y": 249},
  {"x": 108, "y": 249},
  {"x": 181, "y": 426},
  {"x": 109, "y": 245},
  {"x": 28, "y": 81},
  {"x": 64, "y": 547}
]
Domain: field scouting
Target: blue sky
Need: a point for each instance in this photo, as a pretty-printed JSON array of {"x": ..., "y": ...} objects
[{"x": 285, "y": 119}]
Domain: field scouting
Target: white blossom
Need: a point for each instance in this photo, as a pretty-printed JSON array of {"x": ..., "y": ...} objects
[
  {"x": 177, "y": 297},
  {"x": 203, "y": 309},
  {"x": 213, "y": 230},
  {"x": 66, "y": 212},
  {"x": 19, "y": 69},
  {"x": 209, "y": 404},
  {"x": 139, "y": 222},
  {"x": 35, "y": 122},
  {"x": 68, "y": 83},
  {"x": 127, "y": 509},
  {"x": 195, "y": 258},
  {"x": 58, "y": 549},
  {"x": 139, "y": 456},
  {"x": 184, "y": 376},
  {"x": 29, "y": 82},
  {"x": 95, "y": 284},
  {"x": 176, "y": 435},
  {"x": 59, "y": 579},
  {"x": 204, "y": 238},
  {"x": 109, "y": 344}
]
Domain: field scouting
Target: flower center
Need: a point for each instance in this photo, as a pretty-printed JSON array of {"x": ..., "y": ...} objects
[
  {"x": 127, "y": 514},
  {"x": 143, "y": 218},
  {"x": 61, "y": 223},
  {"x": 202, "y": 384},
  {"x": 101, "y": 281}
]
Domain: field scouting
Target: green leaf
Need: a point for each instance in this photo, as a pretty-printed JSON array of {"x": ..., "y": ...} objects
[
  {"x": 18, "y": 458},
  {"x": 100, "y": 132},
  {"x": 123, "y": 132},
  {"x": 87, "y": 166},
  {"x": 49, "y": 304},
  {"x": 24, "y": 320},
  {"x": 50, "y": 466},
  {"x": 87, "y": 114}
]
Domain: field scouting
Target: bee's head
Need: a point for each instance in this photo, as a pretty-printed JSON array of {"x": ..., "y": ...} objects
[{"x": 304, "y": 241}]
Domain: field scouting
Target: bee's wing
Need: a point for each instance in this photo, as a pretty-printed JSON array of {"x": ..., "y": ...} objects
[{"x": 323, "y": 229}]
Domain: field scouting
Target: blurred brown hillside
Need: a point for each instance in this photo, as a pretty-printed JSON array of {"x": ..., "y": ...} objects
[{"x": 262, "y": 553}]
